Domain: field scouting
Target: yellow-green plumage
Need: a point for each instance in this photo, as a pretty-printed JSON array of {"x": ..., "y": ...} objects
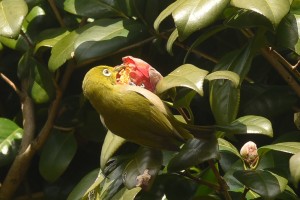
[{"x": 131, "y": 112}]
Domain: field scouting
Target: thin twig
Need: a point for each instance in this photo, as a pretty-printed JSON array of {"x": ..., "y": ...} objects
[
  {"x": 56, "y": 13},
  {"x": 11, "y": 84},
  {"x": 200, "y": 181}
]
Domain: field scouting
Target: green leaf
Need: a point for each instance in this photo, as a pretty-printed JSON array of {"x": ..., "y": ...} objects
[
  {"x": 93, "y": 8},
  {"x": 41, "y": 85},
  {"x": 224, "y": 100},
  {"x": 18, "y": 44},
  {"x": 273, "y": 11},
  {"x": 194, "y": 152},
  {"x": 232, "y": 76},
  {"x": 224, "y": 145},
  {"x": 171, "y": 40},
  {"x": 125, "y": 194},
  {"x": 186, "y": 75},
  {"x": 105, "y": 36},
  {"x": 12, "y": 14},
  {"x": 56, "y": 155},
  {"x": 243, "y": 18},
  {"x": 249, "y": 124},
  {"x": 50, "y": 37},
  {"x": 193, "y": 15},
  {"x": 294, "y": 168},
  {"x": 288, "y": 33},
  {"x": 288, "y": 147},
  {"x": 110, "y": 145},
  {"x": 265, "y": 183},
  {"x": 85, "y": 184},
  {"x": 10, "y": 136},
  {"x": 62, "y": 51},
  {"x": 146, "y": 162}
]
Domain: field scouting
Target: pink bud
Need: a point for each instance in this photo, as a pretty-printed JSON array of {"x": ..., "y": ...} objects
[{"x": 249, "y": 153}]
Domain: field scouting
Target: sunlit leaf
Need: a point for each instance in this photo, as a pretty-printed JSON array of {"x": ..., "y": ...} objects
[
  {"x": 232, "y": 76},
  {"x": 294, "y": 168},
  {"x": 186, "y": 75},
  {"x": 146, "y": 162},
  {"x": 265, "y": 183},
  {"x": 273, "y": 10},
  {"x": 288, "y": 147},
  {"x": 249, "y": 124},
  {"x": 10, "y": 136},
  {"x": 12, "y": 14},
  {"x": 194, "y": 152},
  {"x": 62, "y": 51},
  {"x": 110, "y": 145},
  {"x": 171, "y": 40},
  {"x": 104, "y": 36},
  {"x": 224, "y": 145},
  {"x": 193, "y": 15},
  {"x": 56, "y": 155}
]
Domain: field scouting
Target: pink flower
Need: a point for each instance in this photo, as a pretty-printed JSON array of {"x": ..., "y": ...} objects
[{"x": 138, "y": 72}]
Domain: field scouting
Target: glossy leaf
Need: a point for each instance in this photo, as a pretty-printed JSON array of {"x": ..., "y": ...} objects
[
  {"x": 272, "y": 10},
  {"x": 228, "y": 75},
  {"x": 12, "y": 14},
  {"x": 194, "y": 152},
  {"x": 85, "y": 184},
  {"x": 287, "y": 147},
  {"x": 288, "y": 32},
  {"x": 224, "y": 101},
  {"x": 18, "y": 43},
  {"x": 110, "y": 145},
  {"x": 145, "y": 162},
  {"x": 10, "y": 136},
  {"x": 186, "y": 75},
  {"x": 249, "y": 124},
  {"x": 41, "y": 85},
  {"x": 50, "y": 37},
  {"x": 105, "y": 36},
  {"x": 125, "y": 194},
  {"x": 62, "y": 51},
  {"x": 93, "y": 8},
  {"x": 171, "y": 40},
  {"x": 243, "y": 18},
  {"x": 294, "y": 168},
  {"x": 265, "y": 183},
  {"x": 224, "y": 145},
  {"x": 193, "y": 15},
  {"x": 56, "y": 155}
]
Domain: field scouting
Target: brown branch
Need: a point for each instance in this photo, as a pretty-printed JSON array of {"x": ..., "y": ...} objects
[
  {"x": 222, "y": 182},
  {"x": 11, "y": 84},
  {"x": 22, "y": 161},
  {"x": 272, "y": 58},
  {"x": 56, "y": 13}
]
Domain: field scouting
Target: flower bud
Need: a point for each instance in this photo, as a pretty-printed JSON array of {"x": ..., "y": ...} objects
[{"x": 249, "y": 153}]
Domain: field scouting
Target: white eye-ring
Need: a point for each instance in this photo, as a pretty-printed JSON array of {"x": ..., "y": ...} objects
[{"x": 106, "y": 72}]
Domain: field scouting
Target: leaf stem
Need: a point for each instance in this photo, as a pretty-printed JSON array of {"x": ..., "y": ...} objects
[{"x": 11, "y": 84}]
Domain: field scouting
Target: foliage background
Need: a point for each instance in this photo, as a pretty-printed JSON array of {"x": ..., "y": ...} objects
[{"x": 50, "y": 137}]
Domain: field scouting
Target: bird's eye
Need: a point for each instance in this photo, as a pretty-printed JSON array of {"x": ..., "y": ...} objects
[{"x": 106, "y": 72}]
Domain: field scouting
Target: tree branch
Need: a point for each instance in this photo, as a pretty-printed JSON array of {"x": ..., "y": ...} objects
[{"x": 22, "y": 161}]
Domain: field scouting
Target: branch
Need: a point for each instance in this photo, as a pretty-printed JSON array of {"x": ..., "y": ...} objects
[
  {"x": 11, "y": 84},
  {"x": 56, "y": 13},
  {"x": 22, "y": 161}
]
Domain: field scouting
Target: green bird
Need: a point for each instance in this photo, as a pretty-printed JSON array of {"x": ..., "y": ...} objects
[{"x": 132, "y": 112}]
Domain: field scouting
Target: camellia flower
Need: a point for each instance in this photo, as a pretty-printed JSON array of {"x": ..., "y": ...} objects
[{"x": 138, "y": 72}]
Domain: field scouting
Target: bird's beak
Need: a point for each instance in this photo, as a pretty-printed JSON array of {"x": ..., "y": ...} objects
[{"x": 119, "y": 68}]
